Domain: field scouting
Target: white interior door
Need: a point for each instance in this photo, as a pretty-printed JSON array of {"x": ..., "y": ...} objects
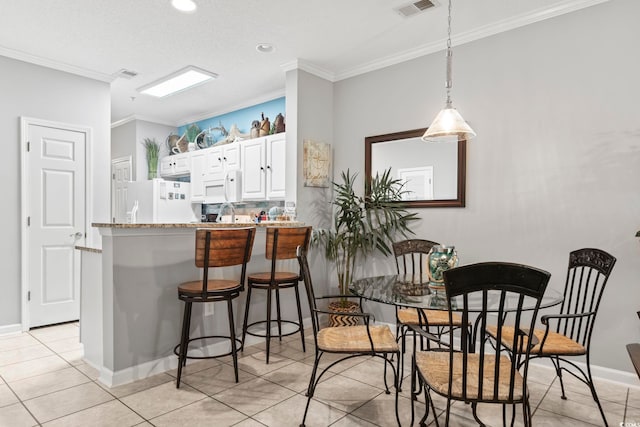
[
  {"x": 418, "y": 183},
  {"x": 56, "y": 211},
  {"x": 120, "y": 174}
]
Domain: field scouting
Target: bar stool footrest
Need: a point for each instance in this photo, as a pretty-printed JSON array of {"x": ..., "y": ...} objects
[
  {"x": 256, "y": 334},
  {"x": 176, "y": 349}
]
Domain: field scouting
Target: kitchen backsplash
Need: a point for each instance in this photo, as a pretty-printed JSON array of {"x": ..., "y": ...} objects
[{"x": 251, "y": 208}]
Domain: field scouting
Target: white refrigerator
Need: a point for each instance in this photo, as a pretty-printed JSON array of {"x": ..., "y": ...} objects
[{"x": 160, "y": 201}]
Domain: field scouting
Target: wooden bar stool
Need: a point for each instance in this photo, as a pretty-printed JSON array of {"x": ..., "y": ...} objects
[
  {"x": 221, "y": 247},
  {"x": 281, "y": 244}
]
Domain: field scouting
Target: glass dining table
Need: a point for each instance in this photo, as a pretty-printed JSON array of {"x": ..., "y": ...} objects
[{"x": 407, "y": 290}]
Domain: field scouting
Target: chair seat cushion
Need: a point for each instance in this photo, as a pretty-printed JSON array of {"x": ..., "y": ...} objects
[
  {"x": 354, "y": 339},
  {"x": 409, "y": 316},
  {"x": 280, "y": 276},
  {"x": 434, "y": 368},
  {"x": 555, "y": 344},
  {"x": 214, "y": 285}
]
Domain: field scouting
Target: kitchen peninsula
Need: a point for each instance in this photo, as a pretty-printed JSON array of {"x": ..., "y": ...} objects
[{"x": 130, "y": 313}]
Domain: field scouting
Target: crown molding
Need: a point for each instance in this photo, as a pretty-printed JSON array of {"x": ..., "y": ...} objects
[
  {"x": 301, "y": 64},
  {"x": 124, "y": 121},
  {"x": 244, "y": 104},
  {"x": 135, "y": 117},
  {"x": 498, "y": 27},
  {"x": 56, "y": 65}
]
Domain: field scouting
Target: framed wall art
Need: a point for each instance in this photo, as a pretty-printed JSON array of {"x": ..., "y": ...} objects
[{"x": 316, "y": 163}]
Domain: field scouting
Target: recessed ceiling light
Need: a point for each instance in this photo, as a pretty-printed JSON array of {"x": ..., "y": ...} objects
[
  {"x": 183, "y": 79},
  {"x": 265, "y": 48},
  {"x": 184, "y": 5}
]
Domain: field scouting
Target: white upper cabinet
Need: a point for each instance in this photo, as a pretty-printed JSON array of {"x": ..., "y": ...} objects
[
  {"x": 223, "y": 158},
  {"x": 254, "y": 161},
  {"x": 263, "y": 167},
  {"x": 198, "y": 164},
  {"x": 176, "y": 165},
  {"x": 210, "y": 166},
  {"x": 276, "y": 155}
]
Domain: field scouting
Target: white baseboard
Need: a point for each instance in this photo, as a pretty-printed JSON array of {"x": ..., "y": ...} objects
[
  {"x": 599, "y": 373},
  {"x": 138, "y": 372},
  {"x": 10, "y": 329},
  {"x": 158, "y": 366}
]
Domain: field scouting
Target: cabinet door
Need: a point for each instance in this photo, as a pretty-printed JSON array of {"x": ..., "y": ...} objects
[
  {"x": 231, "y": 157},
  {"x": 197, "y": 177},
  {"x": 276, "y": 158},
  {"x": 182, "y": 164},
  {"x": 166, "y": 166},
  {"x": 253, "y": 169},
  {"x": 214, "y": 161}
]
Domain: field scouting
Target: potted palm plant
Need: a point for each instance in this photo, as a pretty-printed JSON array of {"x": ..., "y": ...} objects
[{"x": 361, "y": 226}]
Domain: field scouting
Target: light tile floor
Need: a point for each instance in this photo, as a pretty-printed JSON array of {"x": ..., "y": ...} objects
[{"x": 45, "y": 382}]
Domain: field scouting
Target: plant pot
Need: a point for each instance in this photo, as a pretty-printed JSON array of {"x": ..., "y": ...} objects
[
  {"x": 152, "y": 174},
  {"x": 344, "y": 307}
]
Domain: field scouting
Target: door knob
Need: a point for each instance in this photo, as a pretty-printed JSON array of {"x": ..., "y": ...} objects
[{"x": 77, "y": 235}]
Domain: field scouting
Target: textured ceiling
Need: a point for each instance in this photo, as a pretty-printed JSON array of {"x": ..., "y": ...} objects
[{"x": 333, "y": 38}]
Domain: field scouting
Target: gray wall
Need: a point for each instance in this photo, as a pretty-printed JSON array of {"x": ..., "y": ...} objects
[
  {"x": 144, "y": 130},
  {"x": 122, "y": 138},
  {"x": 127, "y": 139},
  {"x": 312, "y": 99},
  {"x": 314, "y": 122},
  {"x": 38, "y": 92},
  {"x": 556, "y": 163}
]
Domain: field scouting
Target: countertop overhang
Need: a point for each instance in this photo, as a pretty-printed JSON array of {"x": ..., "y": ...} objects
[{"x": 200, "y": 224}]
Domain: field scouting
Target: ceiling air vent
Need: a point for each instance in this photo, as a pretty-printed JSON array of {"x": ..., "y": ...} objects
[
  {"x": 126, "y": 74},
  {"x": 414, "y": 8}
]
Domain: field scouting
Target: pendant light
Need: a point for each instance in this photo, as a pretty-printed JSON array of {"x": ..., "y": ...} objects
[{"x": 448, "y": 122}]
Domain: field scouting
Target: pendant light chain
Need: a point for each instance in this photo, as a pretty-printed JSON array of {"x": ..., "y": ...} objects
[
  {"x": 449, "y": 82},
  {"x": 448, "y": 122}
]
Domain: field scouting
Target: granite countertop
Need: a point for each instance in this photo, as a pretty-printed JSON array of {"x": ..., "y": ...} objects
[
  {"x": 202, "y": 225},
  {"x": 88, "y": 249}
]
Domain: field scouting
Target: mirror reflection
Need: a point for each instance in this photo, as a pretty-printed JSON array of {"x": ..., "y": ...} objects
[{"x": 433, "y": 172}]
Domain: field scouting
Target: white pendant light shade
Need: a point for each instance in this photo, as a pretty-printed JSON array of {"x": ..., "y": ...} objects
[
  {"x": 186, "y": 6},
  {"x": 448, "y": 122}
]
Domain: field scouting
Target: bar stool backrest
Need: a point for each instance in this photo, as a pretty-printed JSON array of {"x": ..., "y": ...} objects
[
  {"x": 283, "y": 241},
  {"x": 223, "y": 247}
]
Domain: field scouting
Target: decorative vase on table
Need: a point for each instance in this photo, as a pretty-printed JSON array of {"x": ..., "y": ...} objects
[{"x": 441, "y": 258}]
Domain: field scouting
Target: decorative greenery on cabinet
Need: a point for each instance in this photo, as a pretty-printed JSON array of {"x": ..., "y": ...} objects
[{"x": 153, "y": 150}]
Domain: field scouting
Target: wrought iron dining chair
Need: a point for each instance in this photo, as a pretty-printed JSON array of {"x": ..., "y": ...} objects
[
  {"x": 634, "y": 354},
  {"x": 349, "y": 341},
  {"x": 587, "y": 276},
  {"x": 411, "y": 255},
  {"x": 483, "y": 376}
]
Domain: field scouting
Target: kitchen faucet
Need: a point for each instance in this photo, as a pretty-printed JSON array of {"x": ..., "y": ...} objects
[{"x": 223, "y": 207}]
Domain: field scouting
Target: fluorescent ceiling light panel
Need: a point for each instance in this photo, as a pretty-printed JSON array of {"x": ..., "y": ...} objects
[
  {"x": 187, "y": 6},
  {"x": 177, "y": 82}
]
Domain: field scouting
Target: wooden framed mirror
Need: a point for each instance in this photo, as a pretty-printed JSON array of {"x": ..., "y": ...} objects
[{"x": 434, "y": 172}]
